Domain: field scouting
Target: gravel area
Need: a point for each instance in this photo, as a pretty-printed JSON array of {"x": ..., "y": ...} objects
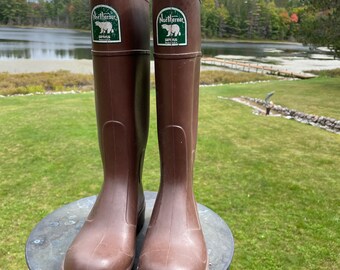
[
  {"x": 85, "y": 66},
  {"x": 74, "y": 66},
  {"x": 28, "y": 66},
  {"x": 289, "y": 63}
]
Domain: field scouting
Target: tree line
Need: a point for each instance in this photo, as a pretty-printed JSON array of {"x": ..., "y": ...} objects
[
  {"x": 251, "y": 19},
  {"x": 46, "y": 13},
  {"x": 315, "y": 22}
]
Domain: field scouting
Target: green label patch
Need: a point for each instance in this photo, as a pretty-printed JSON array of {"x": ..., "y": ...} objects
[
  {"x": 105, "y": 25},
  {"x": 171, "y": 27}
]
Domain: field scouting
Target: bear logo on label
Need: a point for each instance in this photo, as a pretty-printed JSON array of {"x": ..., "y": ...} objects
[
  {"x": 171, "y": 27},
  {"x": 105, "y": 25}
]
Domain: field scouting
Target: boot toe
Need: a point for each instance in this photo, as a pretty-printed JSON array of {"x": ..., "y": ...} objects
[
  {"x": 173, "y": 260},
  {"x": 98, "y": 260}
]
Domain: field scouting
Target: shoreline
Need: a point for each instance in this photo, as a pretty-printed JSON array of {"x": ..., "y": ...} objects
[
  {"x": 84, "y": 66},
  {"x": 207, "y": 40},
  {"x": 17, "y": 66}
]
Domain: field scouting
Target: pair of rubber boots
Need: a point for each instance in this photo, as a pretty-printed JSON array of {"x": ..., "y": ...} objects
[{"x": 121, "y": 57}]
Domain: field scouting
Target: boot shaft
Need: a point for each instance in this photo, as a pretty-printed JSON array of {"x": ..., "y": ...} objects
[
  {"x": 120, "y": 48},
  {"x": 177, "y": 52},
  {"x": 121, "y": 66},
  {"x": 174, "y": 239}
]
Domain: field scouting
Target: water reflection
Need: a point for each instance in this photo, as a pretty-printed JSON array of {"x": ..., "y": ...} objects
[
  {"x": 64, "y": 44},
  {"x": 40, "y": 43},
  {"x": 255, "y": 49}
]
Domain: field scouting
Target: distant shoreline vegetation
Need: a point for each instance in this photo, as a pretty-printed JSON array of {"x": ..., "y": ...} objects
[
  {"x": 310, "y": 22},
  {"x": 253, "y": 19}
]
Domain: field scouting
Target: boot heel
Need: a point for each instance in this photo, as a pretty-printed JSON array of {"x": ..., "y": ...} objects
[{"x": 140, "y": 220}]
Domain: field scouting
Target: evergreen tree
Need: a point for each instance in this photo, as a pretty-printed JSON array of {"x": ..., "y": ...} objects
[
  {"x": 80, "y": 14},
  {"x": 320, "y": 24},
  {"x": 13, "y": 12},
  {"x": 213, "y": 18}
]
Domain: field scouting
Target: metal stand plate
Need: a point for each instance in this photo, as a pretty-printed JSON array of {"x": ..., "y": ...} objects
[{"x": 50, "y": 239}]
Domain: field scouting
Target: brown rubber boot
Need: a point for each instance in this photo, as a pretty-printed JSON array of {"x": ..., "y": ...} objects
[
  {"x": 174, "y": 239},
  {"x": 121, "y": 60}
]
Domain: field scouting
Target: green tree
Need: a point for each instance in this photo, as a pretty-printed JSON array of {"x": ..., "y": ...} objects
[
  {"x": 213, "y": 18},
  {"x": 320, "y": 24},
  {"x": 57, "y": 11},
  {"x": 79, "y": 11},
  {"x": 271, "y": 22},
  {"x": 253, "y": 18},
  {"x": 13, "y": 12},
  {"x": 37, "y": 13},
  {"x": 238, "y": 21}
]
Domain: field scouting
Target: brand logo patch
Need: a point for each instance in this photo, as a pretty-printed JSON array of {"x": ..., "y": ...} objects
[
  {"x": 171, "y": 27},
  {"x": 105, "y": 25}
]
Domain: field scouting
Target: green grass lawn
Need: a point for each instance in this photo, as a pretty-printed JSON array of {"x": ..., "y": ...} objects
[{"x": 276, "y": 182}]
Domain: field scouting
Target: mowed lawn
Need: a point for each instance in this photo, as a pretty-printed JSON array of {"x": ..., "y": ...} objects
[{"x": 276, "y": 182}]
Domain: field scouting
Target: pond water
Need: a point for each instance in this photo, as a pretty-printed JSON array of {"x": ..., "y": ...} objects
[
  {"x": 65, "y": 44},
  {"x": 42, "y": 43}
]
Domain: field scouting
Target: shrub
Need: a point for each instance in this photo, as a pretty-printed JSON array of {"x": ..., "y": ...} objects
[
  {"x": 332, "y": 73},
  {"x": 26, "y": 83},
  {"x": 224, "y": 77}
]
